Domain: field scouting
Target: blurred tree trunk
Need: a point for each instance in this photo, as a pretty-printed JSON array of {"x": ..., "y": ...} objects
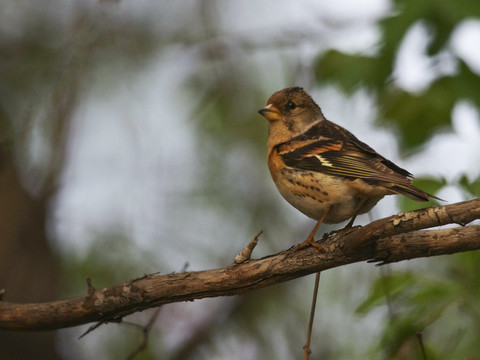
[{"x": 28, "y": 268}]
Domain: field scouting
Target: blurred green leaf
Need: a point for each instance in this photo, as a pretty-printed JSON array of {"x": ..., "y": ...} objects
[
  {"x": 418, "y": 116},
  {"x": 384, "y": 287},
  {"x": 351, "y": 71},
  {"x": 419, "y": 301},
  {"x": 473, "y": 187},
  {"x": 467, "y": 84}
]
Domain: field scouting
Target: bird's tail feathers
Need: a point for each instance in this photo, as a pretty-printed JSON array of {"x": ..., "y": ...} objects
[{"x": 413, "y": 193}]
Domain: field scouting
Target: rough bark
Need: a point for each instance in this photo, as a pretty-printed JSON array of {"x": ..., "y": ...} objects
[{"x": 387, "y": 240}]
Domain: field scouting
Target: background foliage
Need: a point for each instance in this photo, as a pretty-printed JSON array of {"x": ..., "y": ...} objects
[{"x": 130, "y": 144}]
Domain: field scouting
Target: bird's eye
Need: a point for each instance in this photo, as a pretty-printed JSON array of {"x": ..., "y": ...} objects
[{"x": 291, "y": 105}]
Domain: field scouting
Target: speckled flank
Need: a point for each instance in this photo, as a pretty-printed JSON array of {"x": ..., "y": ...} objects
[{"x": 305, "y": 190}]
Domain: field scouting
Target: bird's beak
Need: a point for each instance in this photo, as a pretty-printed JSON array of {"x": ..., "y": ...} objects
[{"x": 270, "y": 113}]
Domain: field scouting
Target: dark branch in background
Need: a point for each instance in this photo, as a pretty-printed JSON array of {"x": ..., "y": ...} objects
[
  {"x": 142, "y": 345},
  {"x": 387, "y": 240},
  {"x": 420, "y": 343}
]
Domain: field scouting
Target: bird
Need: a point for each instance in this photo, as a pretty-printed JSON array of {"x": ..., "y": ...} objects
[{"x": 322, "y": 169}]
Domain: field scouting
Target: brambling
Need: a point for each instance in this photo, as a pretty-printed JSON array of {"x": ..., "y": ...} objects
[{"x": 321, "y": 168}]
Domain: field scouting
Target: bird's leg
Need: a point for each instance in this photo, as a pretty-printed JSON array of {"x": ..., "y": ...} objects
[
  {"x": 310, "y": 239},
  {"x": 350, "y": 223},
  {"x": 349, "y": 227}
]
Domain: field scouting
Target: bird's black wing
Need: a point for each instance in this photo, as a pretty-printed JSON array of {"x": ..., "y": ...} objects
[{"x": 330, "y": 149}]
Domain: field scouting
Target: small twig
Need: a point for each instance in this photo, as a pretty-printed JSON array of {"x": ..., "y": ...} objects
[
  {"x": 91, "y": 289},
  {"x": 91, "y": 328},
  {"x": 142, "y": 345},
  {"x": 185, "y": 267},
  {"x": 117, "y": 319},
  {"x": 306, "y": 347},
  {"x": 420, "y": 342},
  {"x": 90, "y": 292},
  {"x": 245, "y": 254},
  {"x": 145, "y": 333}
]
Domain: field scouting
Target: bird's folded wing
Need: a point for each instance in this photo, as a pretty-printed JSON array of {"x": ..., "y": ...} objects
[
  {"x": 330, "y": 149},
  {"x": 335, "y": 157}
]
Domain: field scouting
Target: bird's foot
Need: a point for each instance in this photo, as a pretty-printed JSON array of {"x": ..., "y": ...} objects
[
  {"x": 310, "y": 242},
  {"x": 345, "y": 230},
  {"x": 310, "y": 239}
]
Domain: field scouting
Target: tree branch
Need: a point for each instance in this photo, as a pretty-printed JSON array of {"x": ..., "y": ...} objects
[{"x": 387, "y": 240}]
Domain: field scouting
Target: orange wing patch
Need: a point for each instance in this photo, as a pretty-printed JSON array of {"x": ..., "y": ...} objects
[
  {"x": 298, "y": 144},
  {"x": 294, "y": 145},
  {"x": 337, "y": 146}
]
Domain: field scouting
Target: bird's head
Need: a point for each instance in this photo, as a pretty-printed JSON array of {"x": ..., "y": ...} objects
[{"x": 290, "y": 112}]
